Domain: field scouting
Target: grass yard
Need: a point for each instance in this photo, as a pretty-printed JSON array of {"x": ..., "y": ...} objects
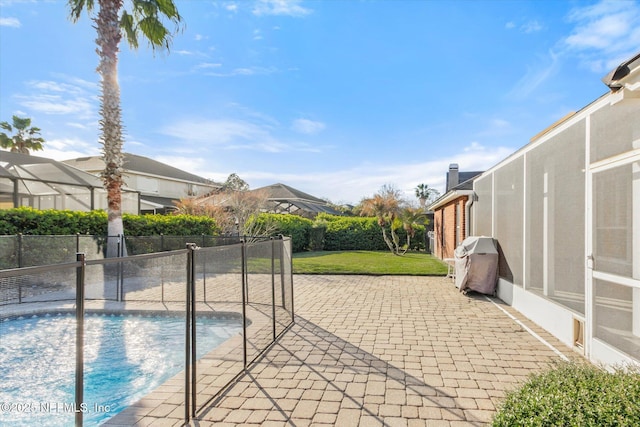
[{"x": 368, "y": 262}]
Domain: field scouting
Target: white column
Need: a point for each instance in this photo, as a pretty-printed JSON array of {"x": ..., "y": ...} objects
[{"x": 635, "y": 245}]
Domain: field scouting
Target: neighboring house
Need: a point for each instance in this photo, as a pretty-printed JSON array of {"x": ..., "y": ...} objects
[
  {"x": 565, "y": 211},
  {"x": 159, "y": 184},
  {"x": 284, "y": 199},
  {"x": 40, "y": 183},
  {"x": 451, "y": 212}
]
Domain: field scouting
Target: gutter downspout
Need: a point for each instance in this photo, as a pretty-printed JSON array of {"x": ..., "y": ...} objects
[{"x": 467, "y": 214}]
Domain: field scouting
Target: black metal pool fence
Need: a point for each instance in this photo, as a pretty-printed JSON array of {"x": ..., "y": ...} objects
[{"x": 251, "y": 280}]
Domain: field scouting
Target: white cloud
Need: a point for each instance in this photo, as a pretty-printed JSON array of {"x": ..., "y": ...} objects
[
  {"x": 605, "y": 33},
  {"x": 510, "y": 25},
  {"x": 307, "y": 127},
  {"x": 352, "y": 184},
  {"x": 216, "y": 132},
  {"x": 245, "y": 71},
  {"x": 535, "y": 76},
  {"x": 68, "y": 148},
  {"x": 231, "y": 7},
  {"x": 207, "y": 65},
  {"x": 531, "y": 27},
  {"x": 56, "y": 97},
  {"x": 53, "y": 104},
  {"x": 280, "y": 7},
  {"x": 10, "y": 22}
]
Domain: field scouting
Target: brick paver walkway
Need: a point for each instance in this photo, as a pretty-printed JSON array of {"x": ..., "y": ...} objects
[{"x": 385, "y": 351}]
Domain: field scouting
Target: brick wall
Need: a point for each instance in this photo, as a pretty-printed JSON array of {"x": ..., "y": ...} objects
[{"x": 445, "y": 222}]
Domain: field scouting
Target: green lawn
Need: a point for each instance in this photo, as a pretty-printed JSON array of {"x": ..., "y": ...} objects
[{"x": 367, "y": 262}]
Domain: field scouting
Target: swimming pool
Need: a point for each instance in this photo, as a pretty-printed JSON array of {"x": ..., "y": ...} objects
[{"x": 126, "y": 357}]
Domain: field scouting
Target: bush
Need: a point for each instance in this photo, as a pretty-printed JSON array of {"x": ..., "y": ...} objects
[
  {"x": 353, "y": 233},
  {"x": 297, "y": 227},
  {"x": 573, "y": 394},
  {"x": 54, "y": 222},
  {"x": 27, "y": 220},
  {"x": 174, "y": 225}
]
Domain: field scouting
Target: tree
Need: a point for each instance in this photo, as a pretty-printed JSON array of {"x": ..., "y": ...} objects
[
  {"x": 27, "y": 137},
  {"x": 424, "y": 193},
  {"x": 145, "y": 18},
  {"x": 410, "y": 218},
  {"x": 235, "y": 183},
  {"x": 385, "y": 206}
]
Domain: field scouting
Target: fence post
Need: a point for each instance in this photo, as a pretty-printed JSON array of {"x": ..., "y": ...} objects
[
  {"x": 194, "y": 343},
  {"x": 19, "y": 250},
  {"x": 204, "y": 274},
  {"x": 273, "y": 285},
  {"x": 244, "y": 302},
  {"x": 79, "y": 390},
  {"x": 120, "y": 277},
  {"x": 187, "y": 339},
  {"x": 282, "y": 271}
]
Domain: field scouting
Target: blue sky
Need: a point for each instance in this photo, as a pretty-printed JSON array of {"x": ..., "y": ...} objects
[{"x": 334, "y": 97}]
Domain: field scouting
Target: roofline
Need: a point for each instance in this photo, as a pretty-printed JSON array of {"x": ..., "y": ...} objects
[
  {"x": 448, "y": 198},
  {"x": 612, "y": 79}
]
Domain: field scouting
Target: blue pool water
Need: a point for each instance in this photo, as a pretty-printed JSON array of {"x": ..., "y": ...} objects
[{"x": 125, "y": 358}]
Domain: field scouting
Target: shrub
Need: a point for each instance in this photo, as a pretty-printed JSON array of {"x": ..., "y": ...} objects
[
  {"x": 572, "y": 394},
  {"x": 353, "y": 233},
  {"x": 297, "y": 227},
  {"x": 27, "y": 220}
]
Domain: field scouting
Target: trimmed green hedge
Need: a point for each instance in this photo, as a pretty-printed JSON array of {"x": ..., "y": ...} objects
[
  {"x": 328, "y": 232},
  {"x": 343, "y": 233},
  {"x": 573, "y": 394},
  {"x": 297, "y": 227},
  {"x": 54, "y": 222}
]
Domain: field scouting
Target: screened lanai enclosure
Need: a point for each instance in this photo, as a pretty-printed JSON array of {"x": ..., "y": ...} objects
[
  {"x": 41, "y": 183},
  {"x": 565, "y": 211}
]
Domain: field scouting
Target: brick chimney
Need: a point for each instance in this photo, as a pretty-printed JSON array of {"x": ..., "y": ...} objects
[{"x": 452, "y": 176}]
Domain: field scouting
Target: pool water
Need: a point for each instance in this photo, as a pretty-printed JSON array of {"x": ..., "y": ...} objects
[{"x": 125, "y": 358}]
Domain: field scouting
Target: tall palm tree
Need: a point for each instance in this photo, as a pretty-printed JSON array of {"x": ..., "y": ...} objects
[
  {"x": 425, "y": 193},
  {"x": 144, "y": 18},
  {"x": 26, "y": 137}
]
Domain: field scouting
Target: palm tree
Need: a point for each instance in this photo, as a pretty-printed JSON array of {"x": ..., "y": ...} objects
[
  {"x": 424, "y": 193},
  {"x": 410, "y": 218},
  {"x": 385, "y": 206},
  {"x": 26, "y": 137},
  {"x": 144, "y": 18}
]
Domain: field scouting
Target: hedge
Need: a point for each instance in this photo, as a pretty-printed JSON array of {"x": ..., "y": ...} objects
[
  {"x": 27, "y": 220},
  {"x": 297, "y": 227},
  {"x": 343, "y": 233}
]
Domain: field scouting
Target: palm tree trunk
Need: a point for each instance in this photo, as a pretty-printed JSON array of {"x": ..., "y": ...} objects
[
  {"x": 111, "y": 124},
  {"x": 387, "y": 241}
]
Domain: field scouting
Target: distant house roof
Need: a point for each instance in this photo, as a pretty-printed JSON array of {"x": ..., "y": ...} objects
[
  {"x": 464, "y": 187},
  {"x": 465, "y": 179},
  {"x": 140, "y": 164},
  {"x": 286, "y": 199}
]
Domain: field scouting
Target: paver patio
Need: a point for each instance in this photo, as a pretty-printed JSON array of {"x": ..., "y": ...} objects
[{"x": 384, "y": 351}]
